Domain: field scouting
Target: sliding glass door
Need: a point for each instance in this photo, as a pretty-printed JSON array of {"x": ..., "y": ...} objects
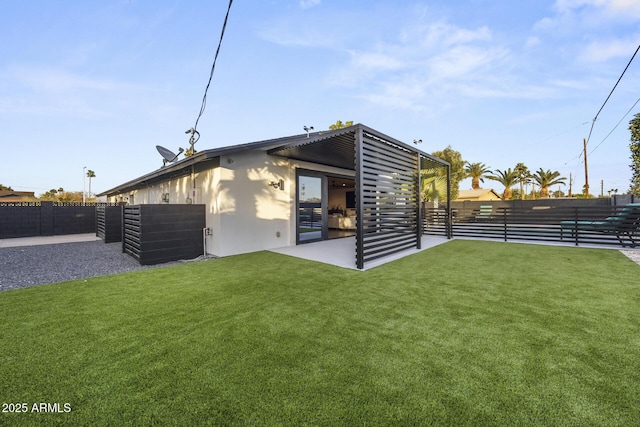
[{"x": 311, "y": 224}]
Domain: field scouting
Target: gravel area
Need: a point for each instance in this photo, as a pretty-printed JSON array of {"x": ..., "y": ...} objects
[
  {"x": 25, "y": 266},
  {"x": 634, "y": 255}
]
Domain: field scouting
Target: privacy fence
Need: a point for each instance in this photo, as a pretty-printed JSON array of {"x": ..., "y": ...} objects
[
  {"x": 154, "y": 234},
  {"x": 28, "y": 219},
  {"x": 594, "y": 223},
  {"x": 109, "y": 223},
  {"x": 151, "y": 234}
]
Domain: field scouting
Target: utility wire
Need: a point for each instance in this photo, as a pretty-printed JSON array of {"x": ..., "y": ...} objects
[
  {"x": 579, "y": 155},
  {"x": 611, "y": 93},
  {"x": 213, "y": 67},
  {"x": 603, "y": 104},
  {"x": 617, "y": 124}
]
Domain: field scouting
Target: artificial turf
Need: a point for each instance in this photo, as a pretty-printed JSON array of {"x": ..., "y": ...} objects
[{"x": 466, "y": 333}]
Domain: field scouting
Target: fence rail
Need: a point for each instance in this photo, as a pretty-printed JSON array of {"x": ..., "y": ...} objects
[{"x": 585, "y": 225}]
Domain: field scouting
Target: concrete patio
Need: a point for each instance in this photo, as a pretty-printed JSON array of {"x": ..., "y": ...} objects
[{"x": 342, "y": 253}]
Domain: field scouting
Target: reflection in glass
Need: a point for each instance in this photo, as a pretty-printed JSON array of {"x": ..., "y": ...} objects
[{"x": 309, "y": 208}]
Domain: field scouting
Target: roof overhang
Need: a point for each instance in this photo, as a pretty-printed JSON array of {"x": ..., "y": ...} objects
[
  {"x": 197, "y": 162},
  {"x": 333, "y": 148},
  {"x": 337, "y": 148}
]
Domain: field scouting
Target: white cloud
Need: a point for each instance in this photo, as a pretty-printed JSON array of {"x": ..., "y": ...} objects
[
  {"x": 601, "y": 51},
  {"x": 308, "y": 4},
  {"x": 612, "y": 8},
  {"x": 297, "y": 36},
  {"x": 428, "y": 65},
  {"x": 57, "y": 81},
  {"x": 532, "y": 42},
  {"x": 591, "y": 31},
  {"x": 464, "y": 62},
  {"x": 55, "y": 92},
  {"x": 375, "y": 61},
  {"x": 441, "y": 34}
]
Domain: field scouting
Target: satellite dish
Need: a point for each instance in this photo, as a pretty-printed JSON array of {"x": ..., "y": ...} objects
[{"x": 168, "y": 155}]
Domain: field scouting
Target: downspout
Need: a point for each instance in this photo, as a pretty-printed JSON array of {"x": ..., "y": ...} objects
[{"x": 204, "y": 241}]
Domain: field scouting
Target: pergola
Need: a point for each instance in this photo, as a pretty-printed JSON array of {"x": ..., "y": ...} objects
[{"x": 387, "y": 184}]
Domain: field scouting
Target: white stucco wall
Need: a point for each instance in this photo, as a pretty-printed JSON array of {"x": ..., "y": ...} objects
[
  {"x": 246, "y": 214},
  {"x": 243, "y": 211},
  {"x": 251, "y": 214}
]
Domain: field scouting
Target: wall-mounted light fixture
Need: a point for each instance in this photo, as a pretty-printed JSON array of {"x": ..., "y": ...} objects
[{"x": 277, "y": 184}]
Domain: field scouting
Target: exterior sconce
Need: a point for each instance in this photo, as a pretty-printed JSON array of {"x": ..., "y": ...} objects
[{"x": 277, "y": 184}]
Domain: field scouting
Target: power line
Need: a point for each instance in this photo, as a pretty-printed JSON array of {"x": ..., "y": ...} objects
[
  {"x": 611, "y": 93},
  {"x": 213, "y": 67},
  {"x": 603, "y": 104},
  {"x": 617, "y": 124}
]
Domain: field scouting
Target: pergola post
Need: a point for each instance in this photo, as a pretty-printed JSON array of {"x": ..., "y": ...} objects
[
  {"x": 449, "y": 213},
  {"x": 418, "y": 204},
  {"x": 359, "y": 199}
]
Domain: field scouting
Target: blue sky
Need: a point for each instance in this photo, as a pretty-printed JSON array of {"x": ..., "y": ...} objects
[{"x": 101, "y": 83}]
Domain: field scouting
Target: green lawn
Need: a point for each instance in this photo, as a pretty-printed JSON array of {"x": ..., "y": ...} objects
[{"x": 466, "y": 333}]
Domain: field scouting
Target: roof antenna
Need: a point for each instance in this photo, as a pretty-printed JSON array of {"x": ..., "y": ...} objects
[
  {"x": 192, "y": 141},
  {"x": 307, "y": 130}
]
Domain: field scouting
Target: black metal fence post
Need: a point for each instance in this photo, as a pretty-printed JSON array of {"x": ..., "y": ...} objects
[
  {"x": 504, "y": 222},
  {"x": 575, "y": 224}
]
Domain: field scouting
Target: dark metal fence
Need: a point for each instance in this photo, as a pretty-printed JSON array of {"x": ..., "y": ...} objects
[
  {"x": 109, "y": 223},
  {"x": 387, "y": 199},
  {"x": 578, "y": 225},
  {"x": 28, "y": 219},
  {"x": 131, "y": 233},
  {"x": 154, "y": 234}
]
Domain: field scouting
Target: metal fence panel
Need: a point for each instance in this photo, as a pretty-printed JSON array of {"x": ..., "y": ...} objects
[
  {"x": 578, "y": 225},
  {"x": 387, "y": 199}
]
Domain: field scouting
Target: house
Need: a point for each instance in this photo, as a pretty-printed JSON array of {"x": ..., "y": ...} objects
[
  {"x": 479, "y": 194},
  {"x": 16, "y": 196},
  {"x": 293, "y": 190}
]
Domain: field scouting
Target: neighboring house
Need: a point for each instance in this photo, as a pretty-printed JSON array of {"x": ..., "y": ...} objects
[
  {"x": 16, "y": 196},
  {"x": 298, "y": 189},
  {"x": 479, "y": 194}
]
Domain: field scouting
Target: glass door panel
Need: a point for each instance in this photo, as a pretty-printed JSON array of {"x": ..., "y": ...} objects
[{"x": 310, "y": 221}]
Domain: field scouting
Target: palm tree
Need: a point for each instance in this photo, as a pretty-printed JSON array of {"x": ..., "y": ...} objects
[
  {"x": 476, "y": 171},
  {"x": 90, "y": 174},
  {"x": 523, "y": 177},
  {"x": 508, "y": 178},
  {"x": 434, "y": 185},
  {"x": 339, "y": 125},
  {"x": 546, "y": 179}
]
